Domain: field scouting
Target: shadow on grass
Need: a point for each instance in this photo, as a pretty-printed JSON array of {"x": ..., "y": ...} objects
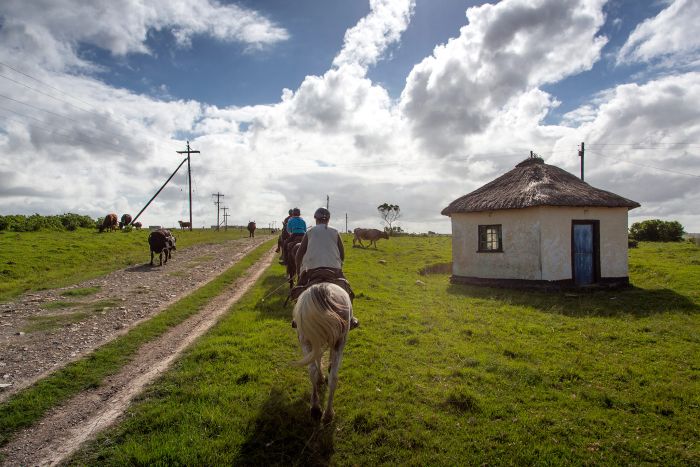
[
  {"x": 605, "y": 303},
  {"x": 284, "y": 433},
  {"x": 271, "y": 305}
]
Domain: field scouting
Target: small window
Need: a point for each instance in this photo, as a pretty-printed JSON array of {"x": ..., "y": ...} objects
[{"x": 490, "y": 239}]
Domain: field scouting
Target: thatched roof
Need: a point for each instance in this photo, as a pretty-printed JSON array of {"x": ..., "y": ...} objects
[{"x": 534, "y": 183}]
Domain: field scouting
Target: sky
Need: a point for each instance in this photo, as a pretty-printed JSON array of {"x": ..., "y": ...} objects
[{"x": 408, "y": 102}]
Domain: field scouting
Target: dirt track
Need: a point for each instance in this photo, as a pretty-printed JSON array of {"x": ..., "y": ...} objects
[
  {"x": 125, "y": 298},
  {"x": 66, "y": 427}
]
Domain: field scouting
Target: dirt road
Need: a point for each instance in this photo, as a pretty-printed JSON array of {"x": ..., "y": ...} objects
[{"x": 63, "y": 430}]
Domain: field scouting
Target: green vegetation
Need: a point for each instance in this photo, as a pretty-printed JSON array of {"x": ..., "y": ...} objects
[
  {"x": 656, "y": 230},
  {"x": 78, "y": 312},
  {"x": 441, "y": 374},
  {"x": 30, "y": 404},
  {"x": 81, "y": 292},
  {"x": 49, "y": 259},
  {"x": 20, "y": 223}
]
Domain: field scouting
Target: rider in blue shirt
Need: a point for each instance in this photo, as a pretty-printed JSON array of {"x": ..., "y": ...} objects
[{"x": 296, "y": 227}]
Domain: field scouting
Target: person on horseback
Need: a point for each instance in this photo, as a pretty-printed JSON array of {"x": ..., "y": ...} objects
[
  {"x": 320, "y": 258},
  {"x": 283, "y": 236},
  {"x": 296, "y": 228}
]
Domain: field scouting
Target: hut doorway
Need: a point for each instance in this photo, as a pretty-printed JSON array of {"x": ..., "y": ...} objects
[{"x": 585, "y": 252}]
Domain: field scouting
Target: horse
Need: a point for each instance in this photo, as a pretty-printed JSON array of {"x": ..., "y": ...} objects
[
  {"x": 251, "y": 229},
  {"x": 322, "y": 315},
  {"x": 292, "y": 262}
]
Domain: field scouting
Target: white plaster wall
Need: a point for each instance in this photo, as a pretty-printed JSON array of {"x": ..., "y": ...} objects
[
  {"x": 556, "y": 240},
  {"x": 536, "y": 243},
  {"x": 520, "y": 258}
]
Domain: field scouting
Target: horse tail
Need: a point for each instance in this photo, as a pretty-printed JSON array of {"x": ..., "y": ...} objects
[{"x": 320, "y": 317}]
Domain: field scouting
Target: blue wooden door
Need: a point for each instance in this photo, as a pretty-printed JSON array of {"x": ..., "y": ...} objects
[{"x": 583, "y": 254}]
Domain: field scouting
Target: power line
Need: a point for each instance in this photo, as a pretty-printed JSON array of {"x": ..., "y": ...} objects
[
  {"x": 645, "y": 165},
  {"x": 92, "y": 110},
  {"x": 41, "y": 82},
  {"x": 42, "y": 92},
  {"x": 39, "y": 108}
]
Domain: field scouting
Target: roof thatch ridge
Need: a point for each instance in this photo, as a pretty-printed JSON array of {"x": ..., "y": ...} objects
[{"x": 534, "y": 183}]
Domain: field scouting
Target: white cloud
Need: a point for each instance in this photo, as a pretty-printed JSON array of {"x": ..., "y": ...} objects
[
  {"x": 672, "y": 34},
  {"x": 505, "y": 50},
  {"x": 469, "y": 112},
  {"x": 366, "y": 41},
  {"x": 50, "y": 31}
]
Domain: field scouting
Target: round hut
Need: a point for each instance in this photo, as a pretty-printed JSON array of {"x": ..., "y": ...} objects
[{"x": 539, "y": 225}]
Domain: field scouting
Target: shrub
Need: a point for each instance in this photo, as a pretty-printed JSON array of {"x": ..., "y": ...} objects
[
  {"x": 656, "y": 230},
  {"x": 20, "y": 223}
]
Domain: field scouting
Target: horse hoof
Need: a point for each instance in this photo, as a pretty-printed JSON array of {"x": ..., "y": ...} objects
[
  {"x": 328, "y": 416},
  {"x": 315, "y": 413}
]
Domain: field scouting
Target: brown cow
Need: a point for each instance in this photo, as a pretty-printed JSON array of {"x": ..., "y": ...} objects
[
  {"x": 138, "y": 225},
  {"x": 126, "y": 220},
  {"x": 368, "y": 234},
  {"x": 251, "y": 229},
  {"x": 185, "y": 225},
  {"x": 161, "y": 241},
  {"x": 109, "y": 223}
]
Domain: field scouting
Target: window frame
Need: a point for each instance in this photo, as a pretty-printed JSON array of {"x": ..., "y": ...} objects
[{"x": 483, "y": 230}]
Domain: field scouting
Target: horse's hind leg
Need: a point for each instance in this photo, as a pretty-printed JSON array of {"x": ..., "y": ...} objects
[
  {"x": 336, "y": 356},
  {"x": 316, "y": 378}
]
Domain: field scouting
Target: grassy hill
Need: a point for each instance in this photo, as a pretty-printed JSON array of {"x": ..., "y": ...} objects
[
  {"x": 48, "y": 259},
  {"x": 441, "y": 374}
]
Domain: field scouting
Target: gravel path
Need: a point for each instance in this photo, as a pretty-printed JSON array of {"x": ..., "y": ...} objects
[
  {"x": 66, "y": 427},
  {"x": 125, "y": 298}
]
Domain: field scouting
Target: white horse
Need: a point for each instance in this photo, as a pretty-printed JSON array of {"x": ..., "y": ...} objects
[{"x": 322, "y": 315}]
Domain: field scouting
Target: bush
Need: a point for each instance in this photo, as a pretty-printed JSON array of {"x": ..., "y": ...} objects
[
  {"x": 656, "y": 230},
  {"x": 20, "y": 223}
]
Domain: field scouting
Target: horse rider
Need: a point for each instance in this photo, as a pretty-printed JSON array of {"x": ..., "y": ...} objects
[
  {"x": 320, "y": 258},
  {"x": 296, "y": 228},
  {"x": 284, "y": 235}
]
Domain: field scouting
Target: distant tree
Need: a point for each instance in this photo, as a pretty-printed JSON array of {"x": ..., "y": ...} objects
[
  {"x": 656, "y": 230},
  {"x": 389, "y": 213}
]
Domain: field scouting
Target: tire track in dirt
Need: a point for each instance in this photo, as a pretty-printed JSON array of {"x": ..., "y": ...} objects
[
  {"x": 128, "y": 296},
  {"x": 61, "y": 432}
]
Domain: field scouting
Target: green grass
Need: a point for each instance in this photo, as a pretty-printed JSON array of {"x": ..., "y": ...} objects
[
  {"x": 41, "y": 260},
  {"x": 27, "y": 406},
  {"x": 79, "y": 311},
  {"x": 81, "y": 292},
  {"x": 440, "y": 374}
]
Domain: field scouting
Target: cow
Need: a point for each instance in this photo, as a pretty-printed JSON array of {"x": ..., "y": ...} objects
[
  {"x": 185, "y": 225},
  {"x": 138, "y": 225},
  {"x": 251, "y": 229},
  {"x": 109, "y": 223},
  {"x": 126, "y": 220},
  {"x": 368, "y": 234},
  {"x": 161, "y": 241}
]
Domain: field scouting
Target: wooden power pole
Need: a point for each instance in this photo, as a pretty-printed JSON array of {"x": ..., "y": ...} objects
[
  {"x": 218, "y": 207},
  {"x": 581, "y": 153},
  {"x": 226, "y": 214},
  {"x": 189, "y": 175}
]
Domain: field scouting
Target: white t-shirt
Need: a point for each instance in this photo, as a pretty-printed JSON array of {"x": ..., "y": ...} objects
[{"x": 321, "y": 248}]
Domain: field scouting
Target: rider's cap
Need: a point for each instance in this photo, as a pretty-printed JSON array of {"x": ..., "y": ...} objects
[
  {"x": 322, "y": 214},
  {"x": 291, "y": 211}
]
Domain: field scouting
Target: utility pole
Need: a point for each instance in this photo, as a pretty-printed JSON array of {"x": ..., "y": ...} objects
[
  {"x": 189, "y": 175},
  {"x": 218, "y": 208},
  {"x": 328, "y": 201},
  {"x": 581, "y": 152},
  {"x": 226, "y": 214},
  {"x": 346, "y": 222}
]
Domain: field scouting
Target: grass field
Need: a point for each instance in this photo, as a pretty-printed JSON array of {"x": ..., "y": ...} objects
[
  {"x": 49, "y": 259},
  {"x": 27, "y": 406},
  {"x": 440, "y": 374}
]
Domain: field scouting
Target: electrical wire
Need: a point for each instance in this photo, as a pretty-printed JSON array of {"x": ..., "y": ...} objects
[{"x": 647, "y": 166}]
